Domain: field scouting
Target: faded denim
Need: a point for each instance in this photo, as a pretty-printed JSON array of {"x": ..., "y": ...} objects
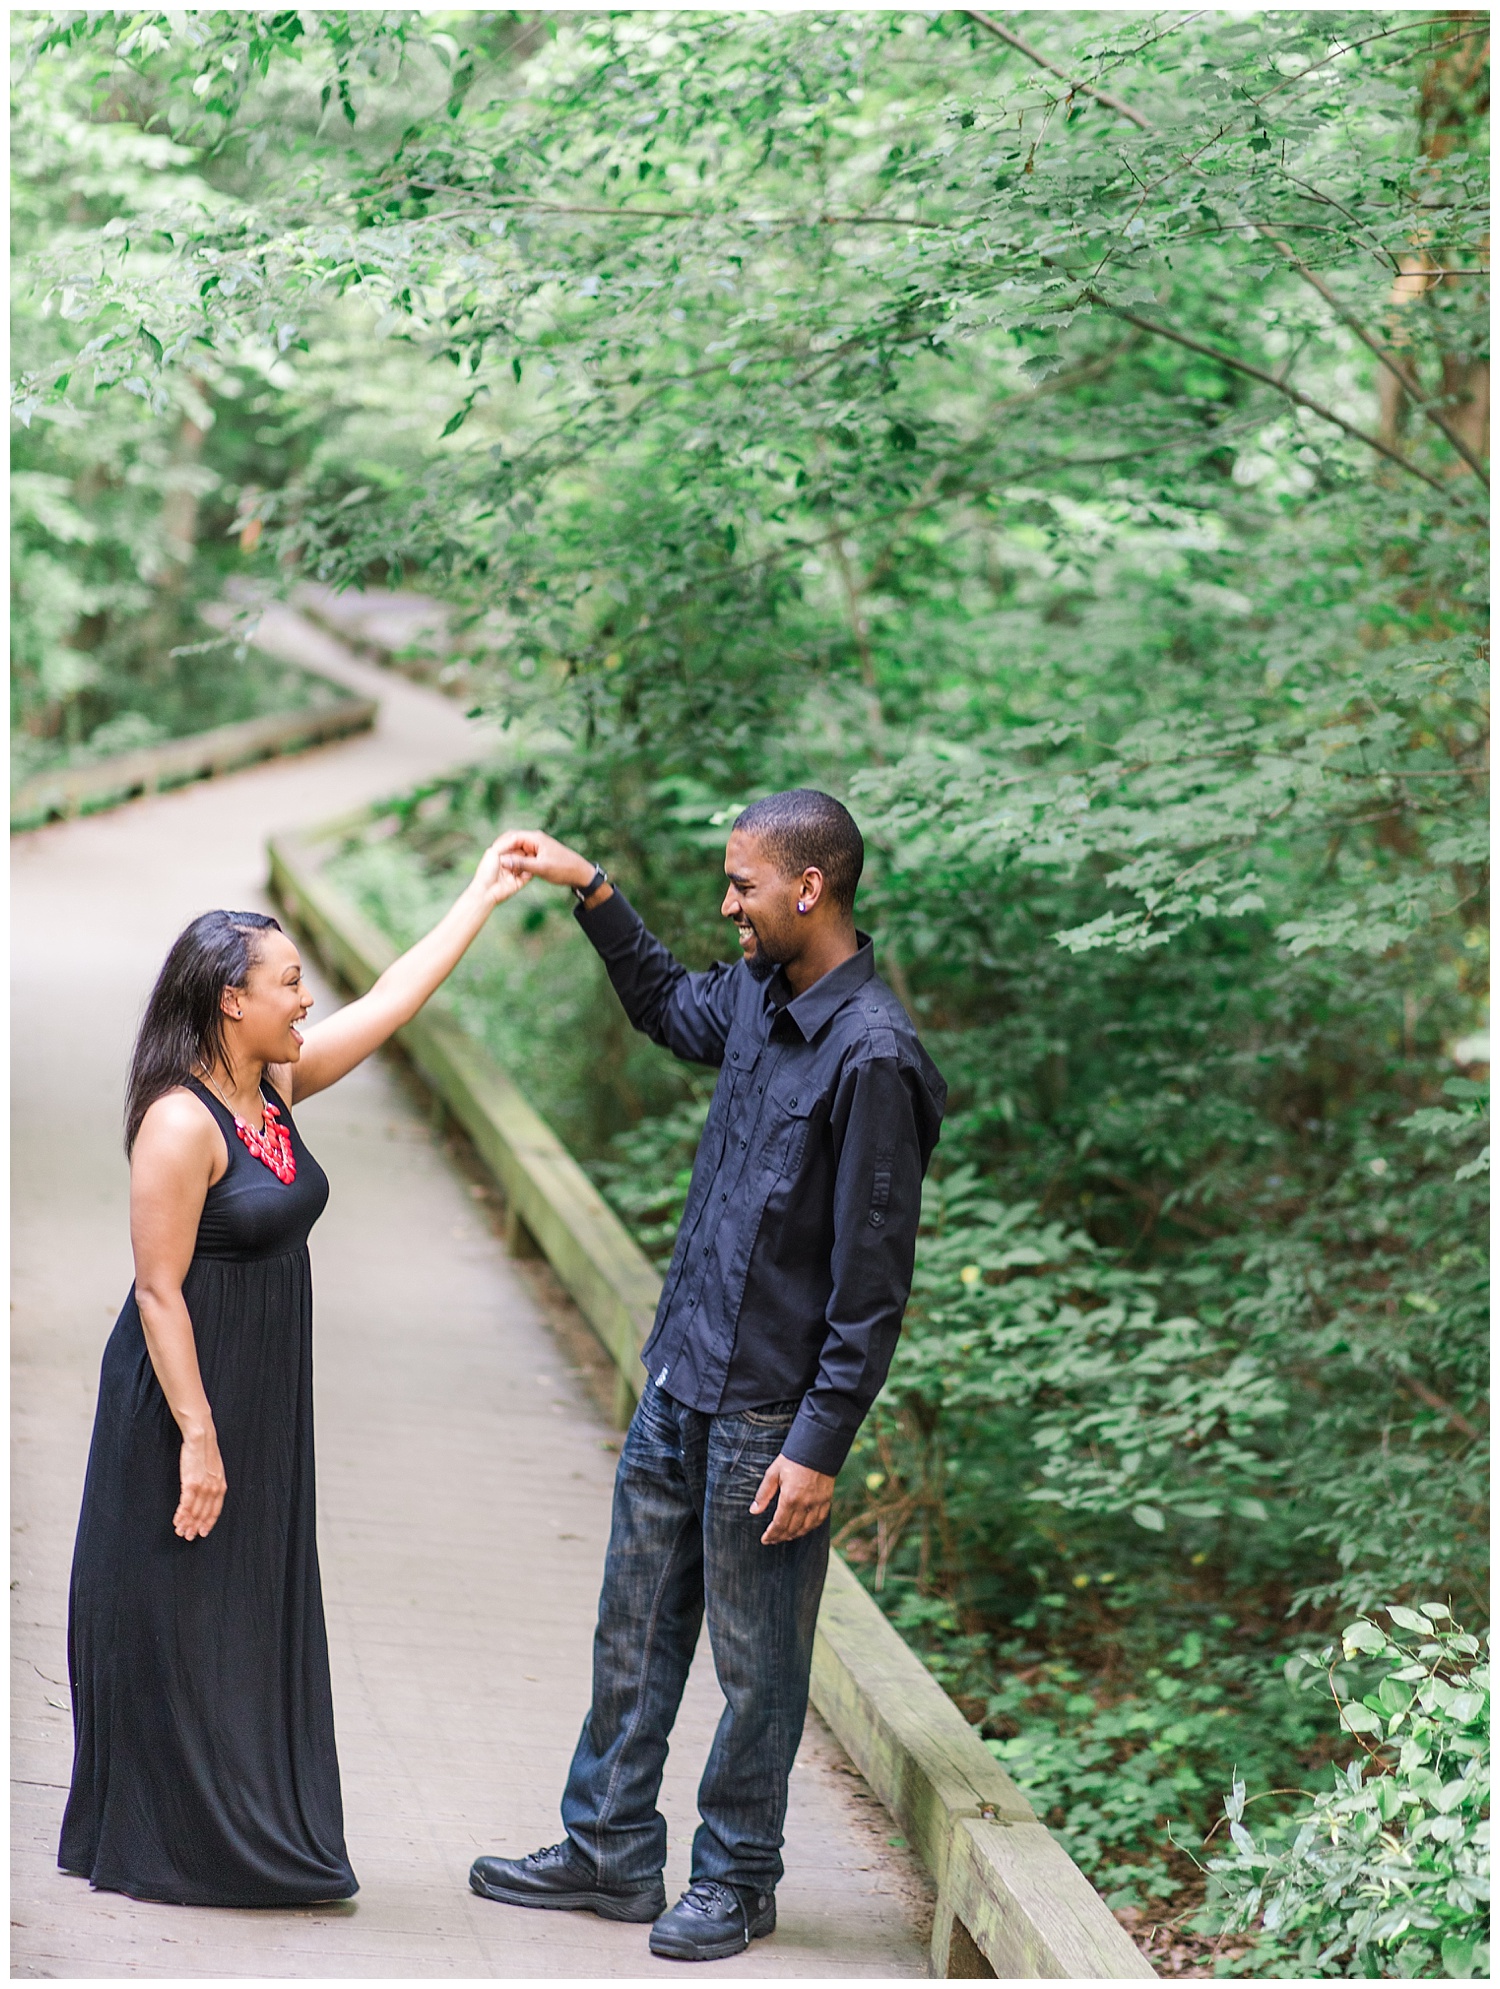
[{"x": 682, "y": 1531}]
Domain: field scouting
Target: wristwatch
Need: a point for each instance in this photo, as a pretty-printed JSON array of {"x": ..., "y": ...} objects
[{"x": 583, "y": 892}]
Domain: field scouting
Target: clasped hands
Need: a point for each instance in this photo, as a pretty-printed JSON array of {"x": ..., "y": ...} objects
[{"x": 514, "y": 858}]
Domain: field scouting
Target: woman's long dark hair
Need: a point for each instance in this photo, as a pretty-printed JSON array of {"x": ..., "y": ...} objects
[{"x": 182, "y": 1030}]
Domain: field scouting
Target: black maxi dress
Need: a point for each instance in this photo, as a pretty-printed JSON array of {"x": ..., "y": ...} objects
[{"x": 204, "y": 1768}]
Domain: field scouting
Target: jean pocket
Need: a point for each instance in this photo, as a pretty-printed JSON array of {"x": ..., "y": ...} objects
[
  {"x": 774, "y": 1416},
  {"x": 653, "y": 1431}
]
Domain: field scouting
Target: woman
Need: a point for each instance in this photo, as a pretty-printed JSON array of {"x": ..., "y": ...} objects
[{"x": 204, "y": 1770}]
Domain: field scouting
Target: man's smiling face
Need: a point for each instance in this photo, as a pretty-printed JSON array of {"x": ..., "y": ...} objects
[{"x": 763, "y": 904}]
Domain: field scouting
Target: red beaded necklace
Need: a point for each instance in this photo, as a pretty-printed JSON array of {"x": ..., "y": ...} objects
[{"x": 273, "y": 1146}]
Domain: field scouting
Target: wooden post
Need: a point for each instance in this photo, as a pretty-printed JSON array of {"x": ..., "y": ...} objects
[
  {"x": 955, "y": 1955},
  {"x": 519, "y": 1240}
]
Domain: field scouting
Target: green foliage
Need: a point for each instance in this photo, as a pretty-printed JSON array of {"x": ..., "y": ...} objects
[
  {"x": 845, "y": 399},
  {"x": 1388, "y": 1872},
  {"x": 1124, "y": 1781},
  {"x": 119, "y": 502},
  {"x": 1122, "y": 1410}
]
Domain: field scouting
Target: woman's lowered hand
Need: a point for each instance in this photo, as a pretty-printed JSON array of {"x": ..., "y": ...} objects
[{"x": 203, "y": 1486}]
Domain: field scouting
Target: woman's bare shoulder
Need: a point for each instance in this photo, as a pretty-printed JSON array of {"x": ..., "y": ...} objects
[{"x": 177, "y": 1121}]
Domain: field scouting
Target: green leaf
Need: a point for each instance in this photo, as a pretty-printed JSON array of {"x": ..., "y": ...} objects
[
  {"x": 1149, "y": 1517},
  {"x": 1359, "y": 1719},
  {"x": 1466, "y": 1707},
  {"x": 1363, "y": 1636},
  {"x": 1409, "y": 1619}
]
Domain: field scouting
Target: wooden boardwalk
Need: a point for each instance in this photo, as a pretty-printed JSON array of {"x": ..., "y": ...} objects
[{"x": 464, "y": 1470}]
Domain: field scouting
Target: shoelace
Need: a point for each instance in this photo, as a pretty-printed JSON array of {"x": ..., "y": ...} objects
[
  {"x": 550, "y": 1854},
  {"x": 704, "y": 1895}
]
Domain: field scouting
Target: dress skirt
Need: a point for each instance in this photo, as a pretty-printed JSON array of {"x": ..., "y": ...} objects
[{"x": 205, "y": 1766}]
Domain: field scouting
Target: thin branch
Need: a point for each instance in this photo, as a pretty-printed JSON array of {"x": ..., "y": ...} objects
[
  {"x": 988, "y": 22},
  {"x": 1269, "y": 379},
  {"x": 1153, "y": 1202},
  {"x": 1348, "y": 48},
  {"x": 1315, "y": 193},
  {"x": 1387, "y": 359},
  {"x": 1435, "y": 1401},
  {"x": 1254, "y": 1799},
  {"x": 514, "y": 200}
]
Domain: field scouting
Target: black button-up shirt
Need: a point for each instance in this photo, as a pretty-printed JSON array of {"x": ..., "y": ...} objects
[{"x": 794, "y": 1257}]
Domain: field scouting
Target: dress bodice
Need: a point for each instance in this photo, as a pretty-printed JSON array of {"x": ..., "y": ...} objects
[{"x": 249, "y": 1213}]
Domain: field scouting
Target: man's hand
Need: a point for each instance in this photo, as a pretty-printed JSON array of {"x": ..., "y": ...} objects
[
  {"x": 803, "y": 1498},
  {"x": 529, "y": 853}
]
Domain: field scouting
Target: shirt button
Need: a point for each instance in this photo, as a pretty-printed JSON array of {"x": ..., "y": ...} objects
[
  {"x": 744, "y": 1143},
  {"x": 794, "y": 1102},
  {"x": 723, "y": 1198}
]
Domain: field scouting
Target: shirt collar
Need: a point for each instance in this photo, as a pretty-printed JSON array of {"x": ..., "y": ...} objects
[{"x": 812, "y": 1008}]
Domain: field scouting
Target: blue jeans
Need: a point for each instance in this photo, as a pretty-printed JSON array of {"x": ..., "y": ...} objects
[{"x": 683, "y": 1540}]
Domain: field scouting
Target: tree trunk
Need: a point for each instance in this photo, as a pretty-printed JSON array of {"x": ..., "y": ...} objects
[{"x": 1454, "y": 103}]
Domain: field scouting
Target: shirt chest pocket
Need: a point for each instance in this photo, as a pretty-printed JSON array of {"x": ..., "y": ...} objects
[{"x": 788, "y": 1125}]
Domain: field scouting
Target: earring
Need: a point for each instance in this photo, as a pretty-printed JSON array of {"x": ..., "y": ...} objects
[{"x": 802, "y": 904}]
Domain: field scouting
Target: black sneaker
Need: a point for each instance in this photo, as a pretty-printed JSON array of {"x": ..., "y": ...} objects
[
  {"x": 555, "y": 1878},
  {"x": 713, "y": 1920}
]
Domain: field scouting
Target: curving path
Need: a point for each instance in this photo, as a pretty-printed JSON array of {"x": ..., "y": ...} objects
[{"x": 464, "y": 1472}]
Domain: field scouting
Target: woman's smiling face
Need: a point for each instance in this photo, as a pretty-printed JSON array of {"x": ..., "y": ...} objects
[{"x": 271, "y": 1005}]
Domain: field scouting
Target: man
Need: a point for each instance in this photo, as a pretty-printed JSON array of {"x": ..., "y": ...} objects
[{"x": 778, "y": 1319}]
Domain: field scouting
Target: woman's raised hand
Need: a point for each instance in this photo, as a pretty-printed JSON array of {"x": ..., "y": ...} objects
[{"x": 494, "y": 878}]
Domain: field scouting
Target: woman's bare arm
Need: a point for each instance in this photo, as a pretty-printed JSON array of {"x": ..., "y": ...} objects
[
  {"x": 179, "y": 1153},
  {"x": 331, "y": 1049}
]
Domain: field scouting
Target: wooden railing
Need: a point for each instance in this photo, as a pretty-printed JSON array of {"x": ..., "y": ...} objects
[
  {"x": 69, "y": 791},
  {"x": 1011, "y": 1903}
]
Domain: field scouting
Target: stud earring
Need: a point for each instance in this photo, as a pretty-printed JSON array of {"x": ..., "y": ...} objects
[{"x": 802, "y": 904}]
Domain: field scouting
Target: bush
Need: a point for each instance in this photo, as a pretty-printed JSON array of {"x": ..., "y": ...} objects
[{"x": 1387, "y": 1873}]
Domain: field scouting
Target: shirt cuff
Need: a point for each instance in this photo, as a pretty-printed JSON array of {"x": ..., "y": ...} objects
[
  {"x": 609, "y": 924},
  {"x": 815, "y": 1446}
]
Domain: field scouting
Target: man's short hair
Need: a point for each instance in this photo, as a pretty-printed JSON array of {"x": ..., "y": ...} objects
[{"x": 805, "y": 830}]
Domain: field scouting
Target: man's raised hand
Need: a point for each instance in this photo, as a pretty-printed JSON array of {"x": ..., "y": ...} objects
[{"x": 531, "y": 853}]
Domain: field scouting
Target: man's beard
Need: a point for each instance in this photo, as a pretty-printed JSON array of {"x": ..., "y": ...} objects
[{"x": 761, "y": 964}]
